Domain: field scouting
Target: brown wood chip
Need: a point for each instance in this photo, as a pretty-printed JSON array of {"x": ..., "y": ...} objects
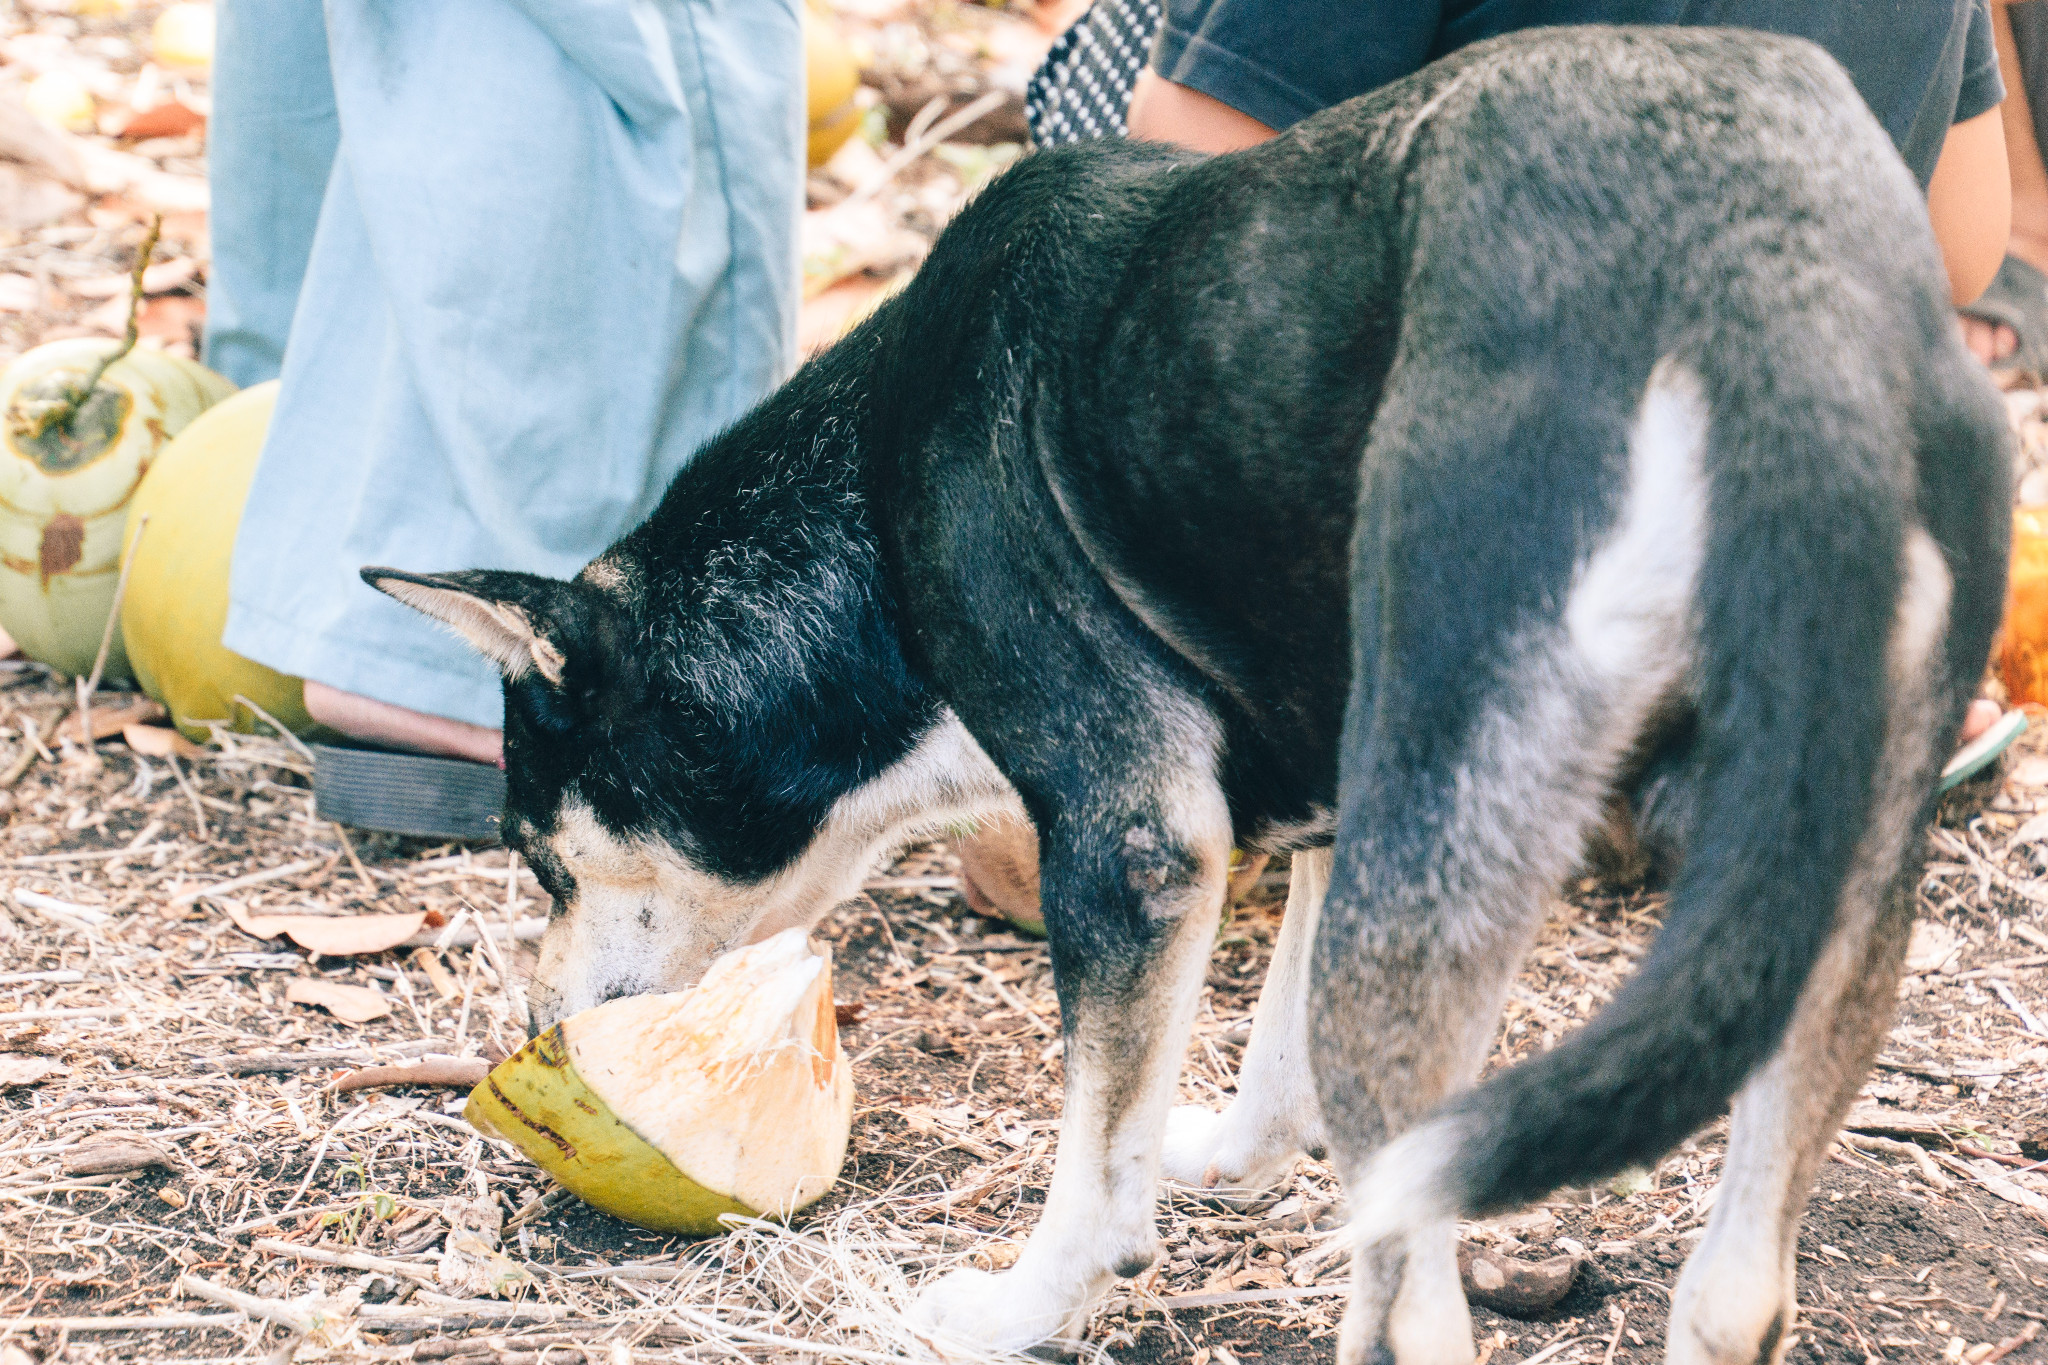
[
  {"x": 460, "y": 1073},
  {"x": 1517, "y": 1288},
  {"x": 114, "y": 1156}
]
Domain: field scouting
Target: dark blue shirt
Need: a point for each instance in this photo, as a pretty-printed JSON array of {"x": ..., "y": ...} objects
[{"x": 1921, "y": 65}]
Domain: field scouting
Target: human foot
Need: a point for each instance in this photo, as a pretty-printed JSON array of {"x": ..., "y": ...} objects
[
  {"x": 379, "y": 722},
  {"x": 1993, "y": 343},
  {"x": 2008, "y": 326}
]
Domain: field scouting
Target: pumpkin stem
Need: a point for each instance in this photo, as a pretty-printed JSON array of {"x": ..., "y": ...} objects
[{"x": 32, "y": 418}]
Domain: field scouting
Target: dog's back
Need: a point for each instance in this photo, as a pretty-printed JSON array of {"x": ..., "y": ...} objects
[{"x": 1450, "y": 295}]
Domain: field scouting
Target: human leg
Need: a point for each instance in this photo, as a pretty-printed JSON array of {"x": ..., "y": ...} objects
[
  {"x": 2021, "y": 31},
  {"x": 1163, "y": 111},
  {"x": 379, "y": 722},
  {"x": 507, "y": 347},
  {"x": 270, "y": 149}
]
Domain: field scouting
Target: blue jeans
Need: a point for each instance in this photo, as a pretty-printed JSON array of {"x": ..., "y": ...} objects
[{"x": 529, "y": 253}]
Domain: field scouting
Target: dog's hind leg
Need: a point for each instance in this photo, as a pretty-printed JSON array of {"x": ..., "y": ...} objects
[
  {"x": 1465, "y": 802},
  {"x": 1735, "y": 1303},
  {"x": 1276, "y": 1117},
  {"x": 1410, "y": 975},
  {"x": 1820, "y": 725},
  {"x": 1135, "y": 849}
]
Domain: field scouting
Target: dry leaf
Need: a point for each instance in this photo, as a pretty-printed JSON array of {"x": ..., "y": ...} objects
[
  {"x": 1933, "y": 944},
  {"x": 170, "y": 318},
  {"x": 470, "y": 1269},
  {"x": 356, "y": 1004},
  {"x": 171, "y": 119},
  {"x": 331, "y": 935},
  {"x": 108, "y": 721},
  {"x": 17, "y": 1071},
  {"x": 158, "y": 741},
  {"x": 471, "y": 1265}
]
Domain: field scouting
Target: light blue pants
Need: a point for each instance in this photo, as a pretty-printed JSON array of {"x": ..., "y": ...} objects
[{"x": 555, "y": 251}]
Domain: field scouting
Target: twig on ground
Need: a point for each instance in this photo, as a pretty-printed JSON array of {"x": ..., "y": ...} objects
[
  {"x": 159, "y": 1322},
  {"x": 349, "y": 1260},
  {"x": 459, "y": 1072},
  {"x": 31, "y": 750},
  {"x": 285, "y": 1315},
  {"x": 283, "y": 732},
  {"x": 88, "y": 686},
  {"x": 191, "y": 794},
  {"x": 2012, "y": 1343},
  {"x": 268, "y": 874},
  {"x": 320, "y": 1155},
  {"x": 1619, "y": 1316}
]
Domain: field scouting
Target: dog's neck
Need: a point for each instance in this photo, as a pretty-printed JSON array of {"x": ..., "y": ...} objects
[{"x": 766, "y": 629}]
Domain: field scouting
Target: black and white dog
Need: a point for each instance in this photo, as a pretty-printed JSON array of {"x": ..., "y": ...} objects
[{"x": 1583, "y": 415}]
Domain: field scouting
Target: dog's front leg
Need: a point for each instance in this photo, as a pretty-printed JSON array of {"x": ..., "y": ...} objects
[{"x": 1132, "y": 901}]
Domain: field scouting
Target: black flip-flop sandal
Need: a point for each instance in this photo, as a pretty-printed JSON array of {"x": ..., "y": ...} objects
[
  {"x": 399, "y": 793},
  {"x": 2017, "y": 298}
]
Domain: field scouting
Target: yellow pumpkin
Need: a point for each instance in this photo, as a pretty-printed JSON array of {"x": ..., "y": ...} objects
[
  {"x": 183, "y": 36},
  {"x": 830, "y": 78},
  {"x": 64, "y": 492},
  {"x": 60, "y": 97},
  {"x": 177, "y": 602}
]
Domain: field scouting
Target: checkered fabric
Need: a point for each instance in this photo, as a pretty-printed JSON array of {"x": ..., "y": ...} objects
[{"x": 1083, "y": 89}]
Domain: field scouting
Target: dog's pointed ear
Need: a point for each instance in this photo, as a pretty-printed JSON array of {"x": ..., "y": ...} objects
[{"x": 506, "y": 617}]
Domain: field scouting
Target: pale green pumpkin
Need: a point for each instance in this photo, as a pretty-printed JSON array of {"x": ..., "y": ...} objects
[{"x": 64, "y": 491}]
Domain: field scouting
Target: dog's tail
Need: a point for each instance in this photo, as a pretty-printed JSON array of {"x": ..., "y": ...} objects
[{"x": 1816, "y": 747}]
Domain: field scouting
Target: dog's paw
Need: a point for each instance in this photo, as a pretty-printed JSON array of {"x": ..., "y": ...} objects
[
  {"x": 1004, "y": 1312},
  {"x": 1207, "y": 1150},
  {"x": 1407, "y": 1305}
]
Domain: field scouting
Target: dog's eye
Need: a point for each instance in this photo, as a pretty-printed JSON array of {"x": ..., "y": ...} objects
[{"x": 545, "y": 708}]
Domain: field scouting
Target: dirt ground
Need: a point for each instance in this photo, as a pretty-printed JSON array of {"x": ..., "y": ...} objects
[
  {"x": 188, "y": 1171},
  {"x": 153, "y": 1018}
]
